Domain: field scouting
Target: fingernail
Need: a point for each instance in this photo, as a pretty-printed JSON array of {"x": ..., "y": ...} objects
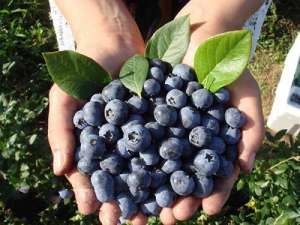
[{"x": 57, "y": 161}]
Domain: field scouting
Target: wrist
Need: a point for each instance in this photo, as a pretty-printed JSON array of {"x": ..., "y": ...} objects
[{"x": 110, "y": 52}]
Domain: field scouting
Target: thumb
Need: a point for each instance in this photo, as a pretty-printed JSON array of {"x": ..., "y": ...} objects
[{"x": 60, "y": 129}]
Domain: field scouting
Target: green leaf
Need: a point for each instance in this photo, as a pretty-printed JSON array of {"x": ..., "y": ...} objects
[
  {"x": 76, "y": 74},
  {"x": 171, "y": 41},
  {"x": 221, "y": 59},
  {"x": 134, "y": 72}
]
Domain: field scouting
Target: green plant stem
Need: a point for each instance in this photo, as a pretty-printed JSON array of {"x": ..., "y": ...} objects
[{"x": 296, "y": 158}]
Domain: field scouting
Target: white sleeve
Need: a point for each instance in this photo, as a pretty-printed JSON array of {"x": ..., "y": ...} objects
[
  {"x": 255, "y": 22},
  {"x": 62, "y": 29}
]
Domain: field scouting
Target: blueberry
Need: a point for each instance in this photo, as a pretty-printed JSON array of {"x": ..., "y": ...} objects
[
  {"x": 120, "y": 182},
  {"x": 116, "y": 112},
  {"x": 137, "y": 118},
  {"x": 93, "y": 113},
  {"x": 171, "y": 149},
  {"x": 150, "y": 207},
  {"x": 230, "y": 135},
  {"x": 158, "y": 178},
  {"x": 114, "y": 90},
  {"x": 136, "y": 164},
  {"x": 65, "y": 194},
  {"x": 226, "y": 168},
  {"x": 189, "y": 117},
  {"x": 110, "y": 133},
  {"x": 173, "y": 82},
  {"x": 137, "y": 138},
  {"x": 191, "y": 87},
  {"x": 127, "y": 205},
  {"x": 150, "y": 156},
  {"x": 86, "y": 131},
  {"x": 92, "y": 147},
  {"x": 234, "y": 117},
  {"x": 139, "y": 195},
  {"x": 176, "y": 98},
  {"x": 103, "y": 184},
  {"x": 112, "y": 163},
  {"x": 139, "y": 179},
  {"x": 87, "y": 165},
  {"x": 202, "y": 99},
  {"x": 151, "y": 88},
  {"x": 207, "y": 162},
  {"x": 165, "y": 115},
  {"x": 169, "y": 166},
  {"x": 222, "y": 96},
  {"x": 133, "y": 119},
  {"x": 211, "y": 124},
  {"x": 184, "y": 71},
  {"x": 98, "y": 98},
  {"x": 160, "y": 64},
  {"x": 165, "y": 196},
  {"x": 177, "y": 131},
  {"x": 157, "y": 74},
  {"x": 231, "y": 152},
  {"x": 157, "y": 131},
  {"x": 217, "y": 111},
  {"x": 137, "y": 104},
  {"x": 79, "y": 121},
  {"x": 188, "y": 149},
  {"x": 200, "y": 136},
  {"x": 182, "y": 183},
  {"x": 203, "y": 186},
  {"x": 122, "y": 150},
  {"x": 217, "y": 144}
]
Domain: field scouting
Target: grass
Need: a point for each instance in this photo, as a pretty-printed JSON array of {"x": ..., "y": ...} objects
[{"x": 268, "y": 196}]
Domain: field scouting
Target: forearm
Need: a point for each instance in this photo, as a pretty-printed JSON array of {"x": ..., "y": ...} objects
[
  {"x": 102, "y": 29},
  {"x": 212, "y": 17}
]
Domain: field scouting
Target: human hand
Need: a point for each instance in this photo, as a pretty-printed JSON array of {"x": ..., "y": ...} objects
[
  {"x": 245, "y": 95},
  {"x": 116, "y": 41}
]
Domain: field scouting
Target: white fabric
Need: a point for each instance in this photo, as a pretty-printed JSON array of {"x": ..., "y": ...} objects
[
  {"x": 62, "y": 29},
  {"x": 66, "y": 41}
]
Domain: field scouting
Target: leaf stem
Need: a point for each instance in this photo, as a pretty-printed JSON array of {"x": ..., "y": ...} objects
[{"x": 296, "y": 158}]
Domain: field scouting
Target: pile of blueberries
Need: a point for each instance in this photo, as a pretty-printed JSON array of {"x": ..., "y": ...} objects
[{"x": 144, "y": 152}]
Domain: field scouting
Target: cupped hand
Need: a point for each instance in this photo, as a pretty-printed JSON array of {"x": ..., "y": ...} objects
[
  {"x": 245, "y": 95},
  {"x": 119, "y": 40},
  {"x": 61, "y": 137}
]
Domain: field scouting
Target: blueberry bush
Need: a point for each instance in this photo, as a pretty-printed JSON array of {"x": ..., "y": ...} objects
[{"x": 28, "y": 188}]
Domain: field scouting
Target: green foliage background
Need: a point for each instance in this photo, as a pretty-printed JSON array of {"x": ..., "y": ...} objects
[{"x": 270, "y": 195}]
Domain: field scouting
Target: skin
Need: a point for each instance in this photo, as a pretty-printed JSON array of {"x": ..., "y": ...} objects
[{"x": 115, "y": 30}]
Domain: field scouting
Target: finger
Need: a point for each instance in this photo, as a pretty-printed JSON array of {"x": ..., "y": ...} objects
[
  {"x": 139, "y": 219},
  {"x": 84, "y": 193},
  {"x": 167, "y": 217},
  {"x": 60, "y": 129},
  {"x": 109, "y": 213},
  {"x": 214, "y": 203},
  {"x": 253, "y": 132},
  {"x": 186, "y": 207}
]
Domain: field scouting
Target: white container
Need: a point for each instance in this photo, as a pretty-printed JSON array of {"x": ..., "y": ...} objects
[{"x": 285, "y": 113}]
